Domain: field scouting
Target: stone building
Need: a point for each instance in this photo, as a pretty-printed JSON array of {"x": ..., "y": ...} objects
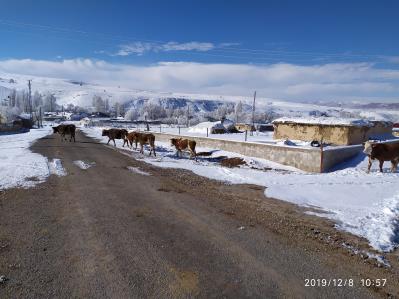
[{"x": 332, "y": 130}]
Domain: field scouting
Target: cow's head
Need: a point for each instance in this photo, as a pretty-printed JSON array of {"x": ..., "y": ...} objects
[
  {"x": 368, "y": 147},
  {"x": 55, "y": 129},
  {"x": 105, "y": 133},
  {"x": 175, "y": 141}
]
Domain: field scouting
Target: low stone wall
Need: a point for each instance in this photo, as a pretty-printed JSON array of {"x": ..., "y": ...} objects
[
  {"x": 333, "y": 156},
  {"x": 307, "y": 159}
]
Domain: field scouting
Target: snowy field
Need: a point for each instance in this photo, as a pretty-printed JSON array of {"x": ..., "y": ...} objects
[
  {"x": 19, "y": 167},
  {"x": 257, "y": 137},
  {"x": 364, "y": 204},
  {"x": 261, "y": 137}
]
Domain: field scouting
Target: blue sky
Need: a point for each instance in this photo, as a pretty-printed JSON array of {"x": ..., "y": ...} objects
[{"x": 257, "y": 33}]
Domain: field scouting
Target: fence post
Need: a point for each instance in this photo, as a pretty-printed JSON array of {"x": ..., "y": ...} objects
[
  {"x": 179, "y": 129},
  {"x": 207, "y": 135},
  {"x": 160, "y": 128},
  {"x": 246, "y": 133}
]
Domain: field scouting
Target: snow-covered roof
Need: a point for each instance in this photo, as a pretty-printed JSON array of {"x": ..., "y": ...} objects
[
  {"x": 328, "y": 121},
  {"x": 201, "y": 127},
  {"x": 24, "y": 115}
]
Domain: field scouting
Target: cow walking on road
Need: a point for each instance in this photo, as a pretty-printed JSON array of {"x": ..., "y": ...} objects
[
  {"x": 66, "y": 129},
  {"x": 146, "y": 138},
  {"x": 142, "y": 139},
  {"x": 382, "y": 152},
  {"x": 115, "y": 134},
  {"x": 184, "y": 144},
  {"x": 130, "y": 138}
]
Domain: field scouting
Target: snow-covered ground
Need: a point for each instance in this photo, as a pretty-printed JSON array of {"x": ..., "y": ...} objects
[
  {"x": 55, "y": 167},
  {"x": 137, "y": 170},
  {"x": 364, "y": 204},
  {"x": 262, "y": 137},
  {"x": 19, "y": 167},
  {"x": 83, "y": 165}
]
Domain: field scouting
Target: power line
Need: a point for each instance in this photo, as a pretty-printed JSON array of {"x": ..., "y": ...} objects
[{"x": 217, "y": 51}]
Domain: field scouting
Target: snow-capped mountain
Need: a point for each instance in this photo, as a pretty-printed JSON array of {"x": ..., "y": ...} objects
[{"x": 69, "y": 91}]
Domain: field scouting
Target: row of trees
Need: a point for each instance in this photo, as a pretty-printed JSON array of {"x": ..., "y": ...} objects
[
  {"x": 18, "y": 102},
  {"x": 236, "y": 112}
]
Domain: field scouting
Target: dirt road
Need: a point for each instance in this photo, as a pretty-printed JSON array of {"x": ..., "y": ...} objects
[{"x": 107, "y": 232}]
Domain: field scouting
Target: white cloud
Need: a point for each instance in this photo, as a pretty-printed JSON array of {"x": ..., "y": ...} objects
[
  {"x": 139, "y": 48},
  {"x": 393, "y": 59},
  {"x": 348, "y": 81},
  {"x": 173, "y": 46},
  {"x": 135, "y": 48}
]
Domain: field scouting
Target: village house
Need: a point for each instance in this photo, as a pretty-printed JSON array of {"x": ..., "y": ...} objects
[
  {"x": 244, "y": 127},
  {"x": 332, "y": 130}
]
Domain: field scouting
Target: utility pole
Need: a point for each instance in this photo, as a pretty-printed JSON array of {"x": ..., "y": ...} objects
[
  {"x": 253, "y": 112},
  {"x": 30, "y": 99},
  {"x": 188, "y": 116},
  {"x": 40, "y": 117}
]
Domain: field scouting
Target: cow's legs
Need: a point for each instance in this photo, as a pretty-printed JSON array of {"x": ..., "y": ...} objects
[
  {"x": 194, "y": 154},
  {"x": 394, "y": 165},
  {"x": 369, "y": 166},
  {"x": 381, "y": 164},
  {"x": 114, "y": 142},
  {"x": 109, "y": 139}
]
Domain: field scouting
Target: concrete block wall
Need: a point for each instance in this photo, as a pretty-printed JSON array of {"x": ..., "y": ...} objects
[
  {"x": 333, "y": 156},
  {"x": 307, "y": 159}
]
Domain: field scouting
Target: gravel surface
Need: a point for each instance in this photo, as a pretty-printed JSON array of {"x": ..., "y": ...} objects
[{"x": 108, "y": 232}]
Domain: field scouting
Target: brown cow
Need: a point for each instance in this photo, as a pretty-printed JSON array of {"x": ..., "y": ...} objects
[
  {"x": 382, "y": 152},
  {"x": 183, "y": 144},
  {"x": 115, "y": 134},
  {"x": 130, "y": 138},
  {"x": 66, "y": 129},
  {"x": 144, "y": 138}
]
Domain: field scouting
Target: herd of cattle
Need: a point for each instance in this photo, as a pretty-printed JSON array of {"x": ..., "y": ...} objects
[
  {"x": 374, "y": 150},
  {"x": 132, "y": 137}
]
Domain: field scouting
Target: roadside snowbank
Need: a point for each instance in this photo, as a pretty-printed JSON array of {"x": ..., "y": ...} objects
[
  {"x": 19, "y": 167},
  {"x": 364, "y": 204}
]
